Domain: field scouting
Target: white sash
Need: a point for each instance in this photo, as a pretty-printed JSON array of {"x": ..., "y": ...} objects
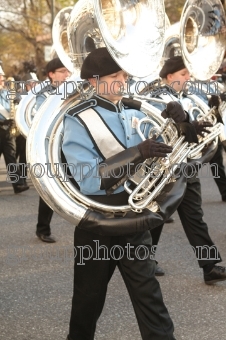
[{"x": 103, "y": 137}]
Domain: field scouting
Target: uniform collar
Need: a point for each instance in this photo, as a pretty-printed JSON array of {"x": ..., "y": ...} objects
[
  {"x": 46, "y": 88},
  {"x": 107, "y": 104}
]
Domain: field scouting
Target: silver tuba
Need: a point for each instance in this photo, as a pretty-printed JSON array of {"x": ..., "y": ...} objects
[
  {"x": 150, "y": 180},
  {"x": 204, "y": 113},
  {"x": 60, "y": 38},
  {"x": 120, "y": 26},
  {"x": 25, "y": 111},
  {"x": 200, "y": 39}
]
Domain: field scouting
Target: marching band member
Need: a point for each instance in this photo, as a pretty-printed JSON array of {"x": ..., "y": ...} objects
[
  {"x": 174, "y": 75},
  {"x": 220, "y": 180},
  {"x": 57, "y": 73},
  {"x": 214, "y": 100},
  {"x": 117, "y": 145},
  {"x": 7, "y": 141}
]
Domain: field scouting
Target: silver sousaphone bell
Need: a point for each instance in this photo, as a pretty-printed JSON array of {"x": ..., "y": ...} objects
[{"x": 200, "y": 39}]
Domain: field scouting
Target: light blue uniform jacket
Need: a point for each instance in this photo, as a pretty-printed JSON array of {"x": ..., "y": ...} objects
[{"x": 80, "y": 151}]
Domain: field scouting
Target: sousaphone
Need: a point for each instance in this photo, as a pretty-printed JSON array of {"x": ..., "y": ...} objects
[
  {"x": 124, "y": 28},
  {"x": 200, "y": 39}
]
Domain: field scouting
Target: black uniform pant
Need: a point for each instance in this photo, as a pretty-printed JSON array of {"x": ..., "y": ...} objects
[
  {"x": 45, "y": 214},
  {"x": 131, "y": 253},
  {"x": 8, "y": 149},
  {"x": 21, "y": 152},
  {"x": 191, "y": 216},
  {"x": 221, "y": 181}
]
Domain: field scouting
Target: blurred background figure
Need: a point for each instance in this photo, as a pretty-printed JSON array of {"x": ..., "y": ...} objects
[
  {"x": 56, "y": 73},
  {"x": 8, "y": 139}
]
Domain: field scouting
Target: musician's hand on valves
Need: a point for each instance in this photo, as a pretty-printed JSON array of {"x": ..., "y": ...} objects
[
  {"x": 214, "y": 101},
  {"x": 200, "y": 127},
  {"x": 223, "y": 96},
  {"x": 175, "y": 111},
  {"x": 151, "y": 148}
]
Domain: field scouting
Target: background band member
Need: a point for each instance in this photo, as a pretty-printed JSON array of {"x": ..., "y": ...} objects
[
  {"x": 220, "y": 180},
  {"x": 190, "y": 209},
  {"x": 83, "y": 144},
  {"x": 57, "y": 73},
  {"x": 7, "y": 140},
  {"x": 184, "y": 76}
]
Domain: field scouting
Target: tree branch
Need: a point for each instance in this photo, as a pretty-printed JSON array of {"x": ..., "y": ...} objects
[{"x": 26, "y": 16}]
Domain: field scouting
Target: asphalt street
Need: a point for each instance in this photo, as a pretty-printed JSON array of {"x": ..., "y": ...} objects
[{"x": 36, "y": 278}]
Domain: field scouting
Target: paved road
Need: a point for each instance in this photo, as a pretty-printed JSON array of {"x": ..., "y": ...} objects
[{"x": 36, "y": 278}]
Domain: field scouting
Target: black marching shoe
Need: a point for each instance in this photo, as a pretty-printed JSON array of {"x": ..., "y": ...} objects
[
  {"x": 20, "y": 188},
  {"x": 170, "y": 220},
  {"x": 159, "y": 271},
  {"x": 217, "y": 274},
  {"x": 46, "y": 238}
]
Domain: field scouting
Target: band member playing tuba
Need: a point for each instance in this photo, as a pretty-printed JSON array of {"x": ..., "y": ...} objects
[
  {"x": 57, "y": 73},
  {"x": 100, "y": 139},
  {"x": 174, "y": 74}
]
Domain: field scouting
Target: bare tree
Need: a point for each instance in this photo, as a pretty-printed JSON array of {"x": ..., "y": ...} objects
[
  {"x": 173, "y": 9},
  {"x": 30, "y": 21}
]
